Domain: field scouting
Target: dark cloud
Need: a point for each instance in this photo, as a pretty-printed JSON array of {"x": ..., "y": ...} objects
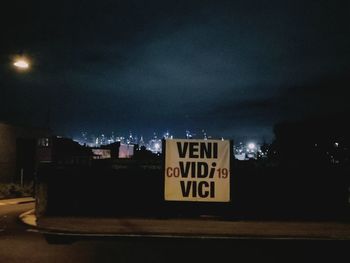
[{"x": 233, "y": 68}]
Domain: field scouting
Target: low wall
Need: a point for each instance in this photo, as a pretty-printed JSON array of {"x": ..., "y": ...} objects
[{"x": 136, "y": 189}]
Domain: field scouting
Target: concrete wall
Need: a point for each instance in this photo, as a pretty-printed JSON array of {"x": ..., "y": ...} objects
[
  {"x": 7, "y": 152},
  {"x": 9, "y": 136}
]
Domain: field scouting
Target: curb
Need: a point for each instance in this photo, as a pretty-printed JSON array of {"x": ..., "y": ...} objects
[
  {"x": 128, "y": 228},
  {"x": 28, "y": 218},
  {"x": 26, "y": 202},
  {"x": 17, "y": 201},
  {"x": 136, "y": 227}
]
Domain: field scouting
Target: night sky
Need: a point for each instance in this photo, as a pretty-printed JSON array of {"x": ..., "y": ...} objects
[{"x": 232, "y": 68}]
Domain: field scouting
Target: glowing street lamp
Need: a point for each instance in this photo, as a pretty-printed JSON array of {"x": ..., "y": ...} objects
[{"x": 21, "y": 63}]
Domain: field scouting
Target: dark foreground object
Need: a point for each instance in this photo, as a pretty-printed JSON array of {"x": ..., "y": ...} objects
[{"x": 128, "y": 188}]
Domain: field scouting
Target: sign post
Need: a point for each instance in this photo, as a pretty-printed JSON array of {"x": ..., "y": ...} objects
[{"x": 197, "y": 170}]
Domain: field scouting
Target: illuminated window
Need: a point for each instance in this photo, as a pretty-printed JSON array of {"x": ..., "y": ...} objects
[{"x": 43, "y": 142}]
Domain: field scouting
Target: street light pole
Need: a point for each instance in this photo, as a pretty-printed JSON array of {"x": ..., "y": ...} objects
[{"x": 22, "y": 64}]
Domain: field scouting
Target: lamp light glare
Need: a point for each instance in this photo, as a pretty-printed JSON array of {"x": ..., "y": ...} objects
[
  {"x": 251, "y": 146},
  {"x": 21, "y": 64}
]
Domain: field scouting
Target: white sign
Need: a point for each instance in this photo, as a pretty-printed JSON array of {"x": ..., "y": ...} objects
[{"x": 197, "y": 170}]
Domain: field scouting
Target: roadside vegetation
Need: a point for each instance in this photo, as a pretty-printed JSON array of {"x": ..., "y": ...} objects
[{"x": 12, "y": 190}]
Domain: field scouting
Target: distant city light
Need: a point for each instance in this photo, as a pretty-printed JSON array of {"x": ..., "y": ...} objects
[
  {"x": 153, "y": 144},
  {"x": 251, "y": 146},
  {"x": 157, "y": 146}
]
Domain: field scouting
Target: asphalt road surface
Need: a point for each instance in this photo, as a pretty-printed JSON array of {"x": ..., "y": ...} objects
[{"x": 20, "y": 243}]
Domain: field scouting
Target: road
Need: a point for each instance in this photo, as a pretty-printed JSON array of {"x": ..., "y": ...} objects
[{"x": 20, "y": 243}]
